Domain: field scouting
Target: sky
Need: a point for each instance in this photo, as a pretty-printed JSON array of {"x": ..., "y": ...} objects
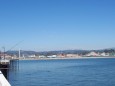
[{"x": 44, "y": 25}]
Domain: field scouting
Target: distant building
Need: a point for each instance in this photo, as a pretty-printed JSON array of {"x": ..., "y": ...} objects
[
  {"x": 42, "y": 56},
  {"x": 72, "y": 55},
  {"x": 31, "y": 56},
  {"x": 6, "y": 56},
  {"x": 104, "y": 54},
  {"x": 52, "y": 56},
  {"x": 112, "y": 54},
  {"x": 61, "y": 55},
  {"x": 92, "y": 54}
]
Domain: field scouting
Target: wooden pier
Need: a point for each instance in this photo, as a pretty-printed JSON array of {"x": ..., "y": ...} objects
[{"x": 4, "y": 67}]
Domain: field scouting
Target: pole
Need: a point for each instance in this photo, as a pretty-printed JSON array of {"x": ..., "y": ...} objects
[
  {"x": 19, "y": 53},
  {"x": 0, "y": 55},
  {"x": 4, "y": 53}
]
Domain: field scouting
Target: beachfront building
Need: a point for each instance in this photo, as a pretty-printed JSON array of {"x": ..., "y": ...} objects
[
  {"x": 104, "y": 54},
  {"x": 92, "y": 54},
  {"x": 32, "y": 56},
  {"x": 52, "y": 56},
  {"x": 5, "y": 56},
  {"x": 61, "y": 55},
  {"x": 112, "y": 54},
  {"x": 42, "y": 56},
  {"x": 72, "y": 55}
]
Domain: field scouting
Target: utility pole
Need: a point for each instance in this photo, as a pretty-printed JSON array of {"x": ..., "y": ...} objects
[
  {"x": 3, "y": 52},
  {"x": 0, "y": 55},
  {"x": 19, "y": 53}
]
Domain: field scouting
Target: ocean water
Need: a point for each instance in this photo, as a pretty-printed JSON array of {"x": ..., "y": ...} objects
[{"x": 68, "y": 72}]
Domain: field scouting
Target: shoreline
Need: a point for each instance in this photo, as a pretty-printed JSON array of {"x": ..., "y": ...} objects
[{"x": 66, "y": 58}]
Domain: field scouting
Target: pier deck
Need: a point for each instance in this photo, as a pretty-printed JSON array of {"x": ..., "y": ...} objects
[
  {"x": 4, "y": 62},
  {"x": 3, "y": 80}
]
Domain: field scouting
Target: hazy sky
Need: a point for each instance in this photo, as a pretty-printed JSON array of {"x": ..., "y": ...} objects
[{"x": 57, "y": 24}]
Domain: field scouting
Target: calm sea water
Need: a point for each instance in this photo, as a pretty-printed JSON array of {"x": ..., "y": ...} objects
[{"x": 69, "y": 72}]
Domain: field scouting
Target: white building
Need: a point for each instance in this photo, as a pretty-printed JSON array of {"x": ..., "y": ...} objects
[
  {"x": 31, "y": 56},
  {"x": 72, "y": 55},
  {"x": 52, "y": 56},
  {"x": 42, "y": 56},
  {"x": 104, "y": 54},
  {"x": 92, "y": 54}
]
